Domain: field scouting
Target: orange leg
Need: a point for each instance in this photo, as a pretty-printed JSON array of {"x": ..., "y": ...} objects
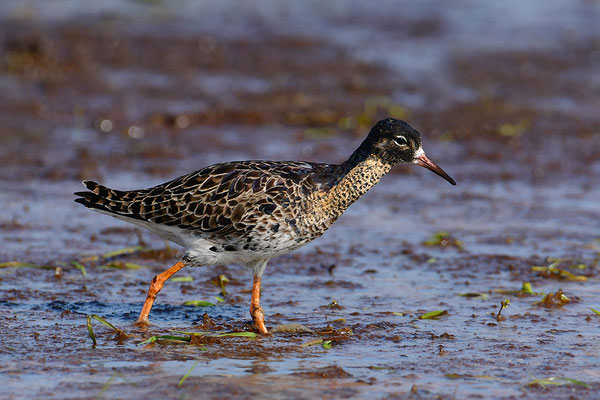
[
  {"x": 155, "y": 286},
  {"x": 255, "y": 310}
]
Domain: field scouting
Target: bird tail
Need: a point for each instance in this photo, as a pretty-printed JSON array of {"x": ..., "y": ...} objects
[{"x": 104, "y": 199}]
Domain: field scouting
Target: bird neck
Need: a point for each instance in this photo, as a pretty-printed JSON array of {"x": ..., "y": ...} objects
[{"x": 360, "y": 173}]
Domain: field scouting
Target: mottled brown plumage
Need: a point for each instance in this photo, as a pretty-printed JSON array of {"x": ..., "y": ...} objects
[
  {"x": 247, "y": 212},
  {"x": 236, "y": 205}
]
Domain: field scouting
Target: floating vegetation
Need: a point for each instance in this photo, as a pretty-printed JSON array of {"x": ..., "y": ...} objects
[
  {"x": 554, "y": 300},
  {"x": 182, "y": 279},
  {"x": 235, "y": 334},
  {"x": 444, "y": 336},
  {"x": 91, "y": 331},
  {"x": 475, "y": 295},
  {"x": 189, "y": 337},
  {"x": 551, "y": 270},
  {"x": 378, "y": 368},
  {"x": 187, "y": 374},
  {"x": 444, "y": 239},
  {"x": 123, "y": 251},
  {"x": 123, "y": 265},
  {"x": 167, "y": 339},
  {"x": 555, "y": 380},
  {"x": 513, "y": 130},
  {"x": 103, "y": 321},
  {"x": 347, "y": 331},
  {"x": 199, "y": 303},
  {"x": 292, "y": 328},
  {"x": 333, "y": 305},
  {"x": 116, "y": 253},
  {"x": 548, "y": 272},
  {"x": 80, "y": 267},
  {"x": 526, "y": 290},
  {"x": 434, "y": 314},
  {"x": 331, "y": 336},
  {"x": 19, "y": 264},
  {"x": 221, "y": 281},
  {"x": 595, "y": 311},
  {"x": 250, "y": 335},
  {"x": 313, "y": 342},
  {"x": 466, "y": 376},
  {"x": 165, "y": 253},
  {"x": 503, "y": 304}
]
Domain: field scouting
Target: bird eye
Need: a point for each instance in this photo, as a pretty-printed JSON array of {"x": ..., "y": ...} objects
[{"x": 400, "y": 141}]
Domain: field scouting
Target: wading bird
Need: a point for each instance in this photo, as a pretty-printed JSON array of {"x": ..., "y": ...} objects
[{"x": 247, "y": 212}]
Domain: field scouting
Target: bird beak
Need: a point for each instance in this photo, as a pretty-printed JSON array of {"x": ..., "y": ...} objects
[{"x": 423, "y": 161}]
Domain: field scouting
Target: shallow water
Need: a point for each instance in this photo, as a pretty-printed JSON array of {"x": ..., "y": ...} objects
[{"x": 132, "y": 94}]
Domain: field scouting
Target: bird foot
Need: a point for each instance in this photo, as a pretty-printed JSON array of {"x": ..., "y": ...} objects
[
  {"x": 142, "y": 323},
  {"x": 258, "y": 316}
]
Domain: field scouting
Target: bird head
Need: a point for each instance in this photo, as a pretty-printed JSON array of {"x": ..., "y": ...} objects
[{"x": 394, "y": 142}]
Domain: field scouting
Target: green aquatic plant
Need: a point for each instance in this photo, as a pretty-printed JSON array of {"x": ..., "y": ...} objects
[
  {"x": 123, "y": 265},
  {"x": 526, "y": 290},
  {"x": 123, "y": 251},
  {"x": 503, "y": 304},
  {"x": 250, "y": 335},
  {"x": 221, "y": 281},
  {"x": 554, "y": 300},
  {"x": 182, "y": 279},
  {"x": 552, "y": 270},
  {"x": 557, "y": 380},
  {"x": 80, "y": 267},
  {"x": 103, "y": 321},
  {"x": 444, "y": 239},
  {"x": 20, "y": 264},
  {"x": 187, "y": 374},
  {"x": 199, "y": 303},
  {"x": 434, "y": 314},
  {"x": 475, "y": 295}
]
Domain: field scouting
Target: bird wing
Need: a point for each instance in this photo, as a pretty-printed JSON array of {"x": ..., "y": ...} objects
[{"x": 227, "y": 199}]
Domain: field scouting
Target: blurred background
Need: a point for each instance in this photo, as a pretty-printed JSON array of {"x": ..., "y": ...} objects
[{"x": 132, "y": 93}]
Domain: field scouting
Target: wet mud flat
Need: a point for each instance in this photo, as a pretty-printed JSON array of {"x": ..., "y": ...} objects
[{"x": 401, "y": 298}]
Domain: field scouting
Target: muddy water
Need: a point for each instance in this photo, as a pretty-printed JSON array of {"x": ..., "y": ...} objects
[{"x": 132, "y": 94}]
